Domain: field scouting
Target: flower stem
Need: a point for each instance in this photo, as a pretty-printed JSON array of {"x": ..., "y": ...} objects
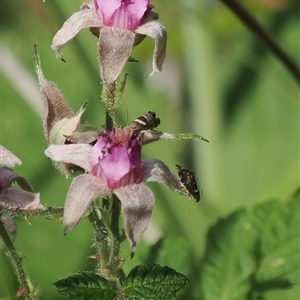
[
  {"x": 109, "y": 97},
  {"x": 101, "y": 237},
  {"x": 48, "y": 212},
  {"x": 109, "y": 121},
  {"x": 116, "y": 210},
  {"x": 17, "y": 263},
  {"x": 254, "y": 26},
  {"x": 115, "y": 231},
  {"x": 107, "y": 241}
]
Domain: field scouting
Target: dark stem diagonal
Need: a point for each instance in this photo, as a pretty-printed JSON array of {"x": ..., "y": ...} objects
[
  {"x": 255, "y": 27},
  {"x": 17, "y": 264}
]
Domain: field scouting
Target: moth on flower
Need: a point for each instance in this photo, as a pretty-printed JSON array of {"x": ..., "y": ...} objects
[
  {"x": 113, "y": 165},
  {"x": 189, "y": 182},
  {"x": 120, "y": 25}
]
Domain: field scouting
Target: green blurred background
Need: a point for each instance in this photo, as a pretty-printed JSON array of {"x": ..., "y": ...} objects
[{"x": 219, "y": 81}]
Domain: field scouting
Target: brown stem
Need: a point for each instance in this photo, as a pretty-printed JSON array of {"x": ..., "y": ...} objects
[{"x": 255, "y": 27}]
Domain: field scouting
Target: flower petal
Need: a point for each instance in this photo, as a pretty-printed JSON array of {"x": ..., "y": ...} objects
[
  {"x": 8, "y": 159},
  {"x": 76, "y": 154},
  {"x": 79, "y": 20},
  {"x": 153, "y": 28},
  {"x": 83, "y": 190},
  {"x": 8, "y": 176},
  {"x": 106, "y": 9},
  {"x": 114, "y": 48},
  {"x": 137, "y": 204},
  {"x": 56, "y": 106},
  {"x": 9, "y": 225},
  {"x": 64, "y": 128},
  {"x": 122, "y": 14},
  {"x": 20, "y": 199},
  {"x": 156, "y": 170},
  {"x": 136, "y": 11}
]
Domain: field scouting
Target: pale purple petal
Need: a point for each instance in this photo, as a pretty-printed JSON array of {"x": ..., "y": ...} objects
[
  {"x": 19, "y": 199},
  {"x": 122, "y": 167},
  {"x": 130, "y": 14},
  {"x": 106, "y": 9},
  {"x": 136, "y": 9},
  {"x": 156, "y": 170},
  {"x": 116, "y": 165},
  {"x": 116, "y": 158},
  {"x": 83, "y": 190},
  {"x": 8, "y": 159},
  {"x": 76, "y": 154},
  {"x": 153, "y": 28},
  {"x": 114, "y": 49},
  {"x": 137, "y": 204},
  {"x": 79, "y": 20},
  {"x": 8, "y": 177},
  {"x": 122, "y": 14},
  {"x": 121, "y": 19},
  {"x": 100, "y": 149}
]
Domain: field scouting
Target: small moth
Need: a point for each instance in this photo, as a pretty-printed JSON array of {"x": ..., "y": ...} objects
[
  {"x": 147, "y": 121},
  {"x": 188, "y": 180}
]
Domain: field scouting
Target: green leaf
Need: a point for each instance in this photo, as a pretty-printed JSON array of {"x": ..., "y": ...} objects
[
  {"x": 249, "y": 254},
  {"x": 228, "y": 262},
  {"x": 173, "y": 251},
  {"x": 152, "y": 281},
  {"x": 86, "y": 285},
  {"x": 278, "y": 256}
]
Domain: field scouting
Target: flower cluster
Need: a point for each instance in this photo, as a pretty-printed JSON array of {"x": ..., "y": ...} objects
[{"x": 109, "y": 161}]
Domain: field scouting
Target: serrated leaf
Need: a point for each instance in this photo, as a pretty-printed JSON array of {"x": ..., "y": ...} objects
[
  {"x": 152, "y": 281},
  {"x": 86, "y": 285},
  {"x": 251, "y": 253},
  {"x": 278, "y": 264},
  {"x": 228, "y": 262}
]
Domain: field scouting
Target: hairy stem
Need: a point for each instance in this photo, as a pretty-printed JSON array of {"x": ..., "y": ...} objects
[
  {"x": 48, "y": 212},
  {"x": 100, "y": 236},
  {"x": 109, "y": 97},
  {"x": 17, "y": 263},
  {"x": 255, "y": 27},
  {"x": 115, "y": 230}
]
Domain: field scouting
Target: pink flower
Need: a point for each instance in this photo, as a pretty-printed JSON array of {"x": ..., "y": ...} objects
[
  {"x": 113, "y": 165},
  {"x": 125, "y": 14},
  {"x": 14, "y": 198},
  {"x": 120, "y": 25},
  {"x": 116, "y": 158}
]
